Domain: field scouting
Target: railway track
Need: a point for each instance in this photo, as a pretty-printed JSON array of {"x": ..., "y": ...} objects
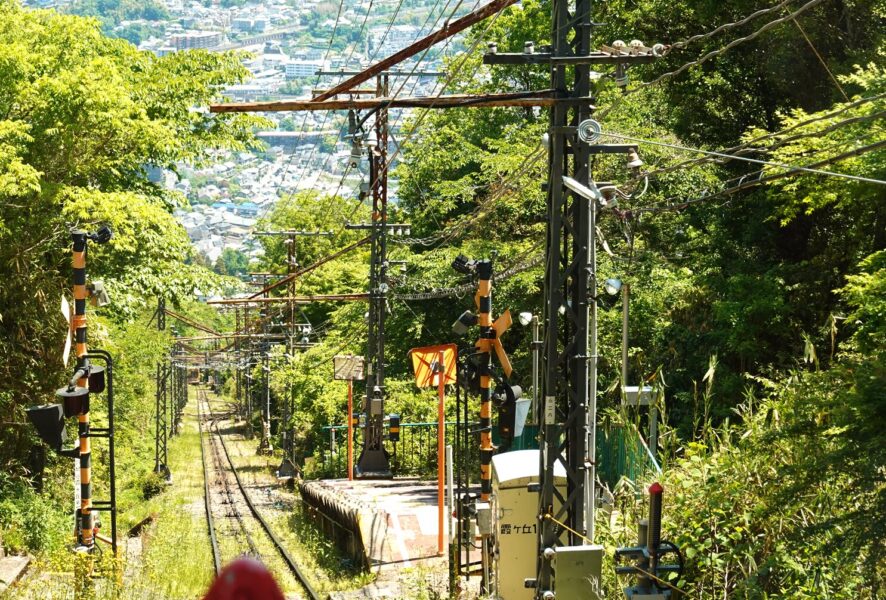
[{"x": 234, "y": 497}]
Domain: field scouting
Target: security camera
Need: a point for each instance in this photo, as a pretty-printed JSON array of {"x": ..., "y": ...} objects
[{"x": 464, "y": 322}]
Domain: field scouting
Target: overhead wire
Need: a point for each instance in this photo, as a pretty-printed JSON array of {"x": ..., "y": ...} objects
[
  {"x": 748, "y": 146},
  {"x": 415, "y": 81},
  {"x": 708, "y": 56},
  {"x": 726, "y": 27},
  {"x": 304, "y": 124},
  {"x": 768, "y": 163},
  {"x": 326, "y": 114},
  {"x": 754, "y": 179}
]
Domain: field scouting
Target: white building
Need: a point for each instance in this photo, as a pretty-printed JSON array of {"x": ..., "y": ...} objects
[{"x": 302, "y": 68}]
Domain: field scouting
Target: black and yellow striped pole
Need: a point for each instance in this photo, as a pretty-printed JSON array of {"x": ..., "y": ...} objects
[
  {"x": 483, "y": 300},
  {"x": 78, "y": 323}
]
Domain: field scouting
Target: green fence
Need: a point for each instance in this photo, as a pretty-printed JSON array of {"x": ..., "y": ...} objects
[{"x": 621, "y": 451}]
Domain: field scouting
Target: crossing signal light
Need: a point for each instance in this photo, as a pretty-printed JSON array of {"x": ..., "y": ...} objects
[
  {"x": 75, "y": 400},
  {"x": 464, "y": 322},
  {"x": 394, "y": 428},
  {"x": 469, "y": 374},
  {"x": 512, "y": 410},
  {"x": 49, "y": 421}
]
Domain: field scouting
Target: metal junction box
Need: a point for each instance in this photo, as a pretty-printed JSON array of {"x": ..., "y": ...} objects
[
  {"x": 577, "y": 572},
  {"x": 515, "y": 515}
]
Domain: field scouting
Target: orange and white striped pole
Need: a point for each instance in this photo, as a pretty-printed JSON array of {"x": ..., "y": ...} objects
[
  {"x": 350, "y": 430},
  {"x": 78, "y": 263}
]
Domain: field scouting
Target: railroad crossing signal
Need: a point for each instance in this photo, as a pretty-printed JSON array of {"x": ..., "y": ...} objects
[{"x": 426, "y": 364}]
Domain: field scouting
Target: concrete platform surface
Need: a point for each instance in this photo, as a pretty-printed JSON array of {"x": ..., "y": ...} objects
[
  {"x": 397, "y": 518},
  {"x": 11, "y": 568}
]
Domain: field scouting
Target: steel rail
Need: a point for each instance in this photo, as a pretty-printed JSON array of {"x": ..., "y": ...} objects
[
  {"x": 287, "y": 558},
  {"x": 216, "y": 553},
  {"x": 220, "y": 471}
]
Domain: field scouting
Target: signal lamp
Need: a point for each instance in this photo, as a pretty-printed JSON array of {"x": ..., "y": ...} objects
[
  {"x": 512, "y": 410},
  {"x": 464, "y": 322},
  {"x": 75, "y": 400},
  {"x": 96, "y": 379},
  {"x": 525, "y": 318},
  {"x": 394, "y": 428}
]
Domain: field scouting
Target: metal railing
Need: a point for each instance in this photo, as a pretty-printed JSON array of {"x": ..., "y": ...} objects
[{"x": 621, "y": 451}]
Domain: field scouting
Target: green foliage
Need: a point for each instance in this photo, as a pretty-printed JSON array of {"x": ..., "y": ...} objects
[
  {"x": 232, "y": 262},
  {"x": 30, "y": 521},
  {"x": 112, "y": 12}
]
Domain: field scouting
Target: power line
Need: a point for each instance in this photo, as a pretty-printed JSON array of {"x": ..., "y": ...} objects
[
  {"x": 703, "y": 36},
  {"x": 754, "y": 179},
  {"x": 304, "y": 123},
  {"x": 461, "y": 290},
  {"x": 747, "y": 146},
  {"x": 409, "y": 76},
  {"x": 712, "y": 54},
  {"x": 746, "y": 159}
]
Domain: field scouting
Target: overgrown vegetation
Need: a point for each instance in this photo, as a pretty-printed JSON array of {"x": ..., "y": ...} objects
[{"x": 761, "y": 311}]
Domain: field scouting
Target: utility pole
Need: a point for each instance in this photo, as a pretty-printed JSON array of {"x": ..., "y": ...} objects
[
  {"x": 569, "y": 375},
  {"x": 291, "y": 271},
  {"x": 373, "y": 460}
]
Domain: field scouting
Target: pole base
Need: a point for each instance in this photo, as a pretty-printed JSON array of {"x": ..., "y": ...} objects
[{"x": 373, "y": 464}]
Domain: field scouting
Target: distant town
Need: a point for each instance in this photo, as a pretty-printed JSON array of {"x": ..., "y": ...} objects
[{"x": 294, "y": 47}]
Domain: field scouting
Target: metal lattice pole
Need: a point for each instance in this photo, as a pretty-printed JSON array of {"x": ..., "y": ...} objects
[
  {"x": 567, "y": 430},
  {"x": 373, "y": 459}
]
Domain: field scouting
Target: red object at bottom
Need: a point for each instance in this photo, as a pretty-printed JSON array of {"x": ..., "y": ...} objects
[{"x": 244, "y": 579}]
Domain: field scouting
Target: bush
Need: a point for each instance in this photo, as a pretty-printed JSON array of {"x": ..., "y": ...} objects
[
  {"x": 152, "y": 484},
  {"x": 31, "y": 522}
]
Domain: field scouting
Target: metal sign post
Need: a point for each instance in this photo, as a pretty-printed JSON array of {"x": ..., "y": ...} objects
[
  {"x": 436, "y": 365},
  {"x": 349, "y": 368}
]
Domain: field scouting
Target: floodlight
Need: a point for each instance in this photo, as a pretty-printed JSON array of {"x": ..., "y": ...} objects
[
  {"x": 102, "y": 236},
  {"x": 464, "y": 322},
  {"x": 612, "y": 286},
  {"x": 464, "y": 265},
  {"x": 525, "y": 318},
  {"x": 98, "y": 296}
]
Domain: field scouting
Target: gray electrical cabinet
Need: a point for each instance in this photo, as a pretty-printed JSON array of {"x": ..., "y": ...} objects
[
  {"x": 577, "y": 572},
  {"x": 515, "y": 520}
]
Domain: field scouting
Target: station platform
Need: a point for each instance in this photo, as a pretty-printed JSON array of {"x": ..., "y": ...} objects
[{"x": 379, "y": 522}]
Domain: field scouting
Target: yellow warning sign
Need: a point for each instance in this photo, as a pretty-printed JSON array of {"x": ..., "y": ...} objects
[{"x": 426, "y": 361}]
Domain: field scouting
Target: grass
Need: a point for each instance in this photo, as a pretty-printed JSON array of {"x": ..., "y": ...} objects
[{"x": 175, "y": 562}]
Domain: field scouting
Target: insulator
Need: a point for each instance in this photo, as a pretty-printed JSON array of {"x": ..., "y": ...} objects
[{"x": 589, "y": 131}]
